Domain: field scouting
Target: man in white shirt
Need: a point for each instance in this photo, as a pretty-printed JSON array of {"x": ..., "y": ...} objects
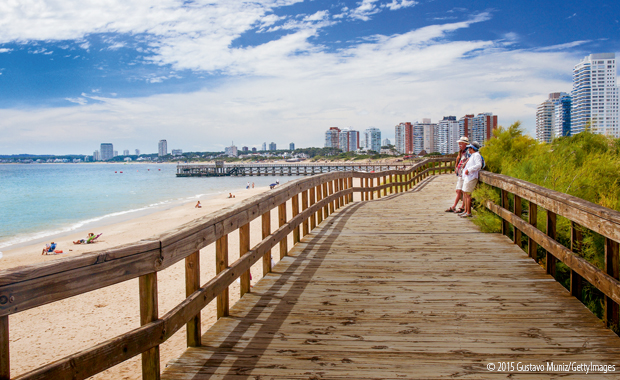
[{"x": 470, "y": 176}]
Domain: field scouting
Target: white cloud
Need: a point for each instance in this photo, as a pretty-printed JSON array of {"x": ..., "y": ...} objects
[
  {"x": 568, "y": 45},
  {"x": 396, "y": 4},
  {"x": 5, "y": 50},
  {"x": 365, "y": 9},
  {"x": 287, "y": 97}
]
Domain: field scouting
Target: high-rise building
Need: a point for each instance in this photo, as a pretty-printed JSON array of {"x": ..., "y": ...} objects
[
  {"x": 544, "y": 121},
  {"x": 163, "y": 148},
  {"x": 137, "y": 152},
  {"x": 291, "y": 146},
  {"x": 386, "y": 142},
  {"x": 253, "y": 149},
  {"x": 272, "y": 146},
  {"x": 332, "y": 138},
  {"x": 116, "y": 153},
  {"x": 404, "y": 138},
  {"x": 264, "y": 147},
  {"x": 372, "y": 139},
  {"x": 547, "y": 125},
  {"x": 177, "y": 152},
  {"x": 107, "y": 151},
  {"x": 126, "y": 152},
  {"x": 482, "y": 128},
  {"x": 349, "y": 140},
  {"x": 465, "y": 125},
  {"x": 446, "y": 135},
  {"x": 96, "y": 156},
  {"x": 426, "y": 135},
  {"x": 595, "y": 95},
  {"x": 245, "y": 149},
  {"x": 561, "y": 117},
  {"x": 399, "y": 137}
]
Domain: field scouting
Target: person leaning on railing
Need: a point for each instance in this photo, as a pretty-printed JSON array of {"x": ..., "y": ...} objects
[
  {"x": 460, "y": 162},
  {"x": 470, "y": 176}
]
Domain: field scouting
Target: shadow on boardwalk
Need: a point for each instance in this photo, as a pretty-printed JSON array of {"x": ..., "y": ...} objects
[{"x": 397, "y": 289}]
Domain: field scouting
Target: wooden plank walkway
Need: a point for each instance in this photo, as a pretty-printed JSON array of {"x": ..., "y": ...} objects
[{"x": 397, "y": 289}]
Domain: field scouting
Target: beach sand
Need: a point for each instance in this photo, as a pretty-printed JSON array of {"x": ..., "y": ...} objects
[{"x": 54, "y": 331}]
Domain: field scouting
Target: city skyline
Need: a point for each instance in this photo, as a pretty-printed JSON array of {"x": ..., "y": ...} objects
[{"x": 282, "y": 68}]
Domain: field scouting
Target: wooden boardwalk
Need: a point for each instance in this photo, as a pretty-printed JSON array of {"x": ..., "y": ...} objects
[{"x": 397, "y": 289}]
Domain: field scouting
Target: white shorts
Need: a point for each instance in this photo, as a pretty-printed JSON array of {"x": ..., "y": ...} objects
[
  {"x": 469, "y": 186},
  {"x": 459, "y": 183}
]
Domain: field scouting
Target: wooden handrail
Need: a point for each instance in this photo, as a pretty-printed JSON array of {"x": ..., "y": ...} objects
[
  {"x": 32, "y": 286},
  {"x": 593, "y": 217}
]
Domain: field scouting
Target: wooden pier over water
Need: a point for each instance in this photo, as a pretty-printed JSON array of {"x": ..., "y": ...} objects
[
  {"x": 283, "y": 169},
  {"x": 383, "y": 285}
]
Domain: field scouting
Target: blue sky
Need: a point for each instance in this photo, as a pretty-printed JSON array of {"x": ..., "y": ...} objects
[{"x": 201, "y": 74}]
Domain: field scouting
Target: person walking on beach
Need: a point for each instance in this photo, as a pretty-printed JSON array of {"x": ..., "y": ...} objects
[
  {"x": 470, "y": 176},
  {"x": 461, "y": 160},
  {"x": 247, "y": 186}
]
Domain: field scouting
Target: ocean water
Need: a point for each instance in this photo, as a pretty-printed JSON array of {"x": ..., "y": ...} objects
[{"x": 43, "y": 200}]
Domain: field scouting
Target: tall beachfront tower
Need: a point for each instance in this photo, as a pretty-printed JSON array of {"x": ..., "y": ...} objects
[
  {"x": 595, "y": 95},
  {"x": 544, "y": 121},
  {"x": 561, "y": 115},
  {"x": 446, "y": 134},
  {"x": 483, "y": 126},
  {"x": 332, "y": 138},
  {"x": 349, "y": 140},
  {"x": 163, "y": 148},
  {"x": 372, "y": 139},
  {"x": 107, "y": 151}
]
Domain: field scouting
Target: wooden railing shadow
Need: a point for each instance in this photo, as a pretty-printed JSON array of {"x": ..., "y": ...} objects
[
  {"x": 247, "y": 358},
  {"x": 36, "y": 285}
]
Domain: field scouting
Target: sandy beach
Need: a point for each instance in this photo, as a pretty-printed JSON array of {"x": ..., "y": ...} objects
[{"x": 51, "y": 332}]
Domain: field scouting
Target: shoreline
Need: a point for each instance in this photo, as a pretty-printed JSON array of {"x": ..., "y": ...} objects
[
  {"x": 54, "y": 331},
  {"x": 123, "y": 228}
]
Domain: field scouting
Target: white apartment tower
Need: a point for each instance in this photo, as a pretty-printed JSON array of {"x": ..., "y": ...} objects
[
  {"x": 595, "y": 95},
  {"x": 372, "y": 139},
  {"x": 349, "y": 140},
  {"x": 163, "y": 148},
  {"x": 446, "y": 135},
  {"x": 332, "y": 137},
  {"x": 544, "y": 121}
]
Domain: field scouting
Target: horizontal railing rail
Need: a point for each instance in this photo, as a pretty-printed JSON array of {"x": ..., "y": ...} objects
[
  {"x": 36, "y": 285},
  {"x": 582, "y": 214}
]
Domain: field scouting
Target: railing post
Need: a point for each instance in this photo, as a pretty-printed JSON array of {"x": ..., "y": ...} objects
[
  {"x": 551, "y": 232},
  {"x": 5, "y": 359},
  {"x": 372, "y": 184},
  {"x": 221, "y": 263},
  {"x": 332, "y": 204},
  {"x": 266, "y": 231},
  {"x": 504, "y": 204},
  {"x": 304, "y": 206},
  {"x": 340, "y": 188},
  {"x": 192, "y": 283},
  {"x": 282, "y": 222},
  {"x": 319, "y": 197},
  {"x": 313, "y": 215},
  {"x": 327, "y": 205},
  {"x": 295, "y": 207},
  {"x": 612, "y": 267},
  {"x": 532, "y": 246},
  {"x": 244, "y": 247},
  {"x": 516, "y": 232},
  {"x": 576, "y": 281},
  {"x": 350, "y": 187},
  {"x": 148, "y": 313}
]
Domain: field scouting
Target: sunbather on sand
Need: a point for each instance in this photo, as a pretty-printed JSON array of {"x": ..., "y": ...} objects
[
  {"x": 83, "y": 241},
  {"x": 49, "y": 248}
]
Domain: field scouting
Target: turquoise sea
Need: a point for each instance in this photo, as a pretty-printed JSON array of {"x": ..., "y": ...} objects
[{"x": 42, "y": 200}]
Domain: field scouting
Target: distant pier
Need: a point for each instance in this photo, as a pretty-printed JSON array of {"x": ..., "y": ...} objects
[{"x": 221, "y": 169}]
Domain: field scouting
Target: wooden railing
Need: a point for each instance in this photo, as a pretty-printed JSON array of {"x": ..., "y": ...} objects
[
  {"x": 36, "y": 285},
  {"x": 593, "y": 217}
]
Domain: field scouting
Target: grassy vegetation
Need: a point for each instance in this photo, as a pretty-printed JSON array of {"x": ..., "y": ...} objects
[{"x": 586, "y": 166}]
